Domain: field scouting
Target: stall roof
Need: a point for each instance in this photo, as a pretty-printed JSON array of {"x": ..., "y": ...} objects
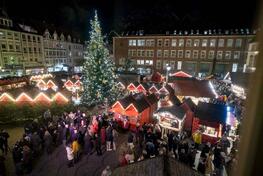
[
  {"x": 152, "y": 99},
  {"x": 177, "y": 111},
  {"x": 140, "y": 102},
  {"x": 191, "y": 104},
  {"x": 211, "y": 112},
  {"x": 193, "y": 87}
]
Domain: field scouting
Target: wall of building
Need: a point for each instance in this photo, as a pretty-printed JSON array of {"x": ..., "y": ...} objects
[{"x": 191, "y": 53}]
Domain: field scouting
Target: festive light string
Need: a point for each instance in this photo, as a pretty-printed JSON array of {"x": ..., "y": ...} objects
[
  {"x": 181, "y": 72},
  {"x": 213, "y": 89},
  {"x": 123, "y": 107},
  {"x": 18, "y": 99}
]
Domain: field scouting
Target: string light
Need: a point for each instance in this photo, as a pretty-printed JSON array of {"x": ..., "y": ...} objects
[
  {"x": 58, "y": 94},
  {"x": 6, "y": 95},
  {"x": 42, "y": 94},
  {"x": 23, "y": 95}
]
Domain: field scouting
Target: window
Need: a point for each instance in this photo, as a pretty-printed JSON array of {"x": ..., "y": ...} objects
[
  {"x": 11, "y": 47},
  {"x": 16, "y": 36},
  {"x": 221, "y": 43},
  {"x": 129, "y": 52},
  {"x": 181, "y": 43},
  {"x": 166, "y": 42},
  {"x": 187, "y": 54},
  {"x": 229, "y": 43},
  {"x": 28, "y": 38},
  {"x": 212, "y": 42},
  {"x": 196, "y": 42},
  {"x": 121, "y": 61},
  {"x": 159, "y": 53},
  {"x": 165, "y": 63},
  {"x": 3, "y": 46},
  {"x": 180, "y": 54},
  {"x": 158, "y": 64},
  {"x": 166, "y": 53},
  {"x": 238, "y": 43},
  {"x": 160, "y": 42},
  {"x": 234, "y": 67},
  {"x": 179, "y": 65},
  {"x": 236, "y": 54},
  {"x": 151, "y": 53},
  {"x": 149, "y": 62},
  {"x": 141, "y": 42},
  {"x": 209, "y": 131},
  {"x": 188, "y": 43},
  {"x": 35, "y": 49},
  {"x": 132, "y": 42},
  {"x": 173, "y": 42},
  {"x": 173, "y": 53},
  {"x": 30, "y": 50},
  {"x": 25, "y": 50},
  {"x": 203, "y": 54},
  {"x": 139, "y": 53},
  {"x": 9, "y": 35},
  {"x": 204, "y": 43},
  {"x": 211, "y": 54},
  {"x": 172, "y": 64},
  {"x": 134, "y": 52},
  {"x": 35, "y": 59},
  {"x": 34, "y": 38},
  {"x": 195, "y": 54},
  {"x": 219, "y": 55},
  {"x": 150, "y": 42},
  {"x": 17, "y": 48},
  {"x": 38, "y": 39},
  {"x": 140, "y": 62},
  {"x": 228, "y": 55},
  {"x": 23, "y": 37}
]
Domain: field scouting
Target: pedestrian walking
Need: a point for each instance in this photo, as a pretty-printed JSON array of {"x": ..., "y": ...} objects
[
  {"x": 114, "y": 139},
  {"x": 70, "y": 155}
]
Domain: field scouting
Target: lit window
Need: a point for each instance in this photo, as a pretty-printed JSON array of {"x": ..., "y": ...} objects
[
  {"x": 195, "y": 54},
  {"x": 196, "y": 42},
  {"x": 173, "y": 53},
  {"x": 229, "y": 43},
  {"x": 219, "y": 55},
  {"x": 238, "y": 43},
  {"x": 211, "y": 54},
  {"x": 166, "y": 53},
  {"x": 180, "y": 54},
  {"x": 140, "y": 62},
  {"x": 187, "y": 54},
  {"x": 204, "y": 43},
  {"x": 172, "y": 64},
  {"x": 181, "y": 43},
  {"x": 132, "y": 42},
  {"x": 179, "y": 65},
  {"x": 173, "y": 42},
  {"x": 221, "y": 43},
  {"x": 188, "y": 43},
  {"x": 159, "y": 53},
  {"x": 212, "y": 43},
  {"x": 228, "y": 55},
  {"x": 149, "y": 62},
  {"x": 203, "y": 54},
  {"x": 166, "y": 42},
  {"x": 234, "y": 67},
  {"x": 236, "y": 54},
  {"x": 129, "y": 52},
  {"x": 151, "y": 53},
  {"x": 141, "y": 42}
]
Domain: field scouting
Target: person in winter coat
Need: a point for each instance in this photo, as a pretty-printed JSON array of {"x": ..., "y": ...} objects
[
  {"x": 36, "y": 143},
  {"x": 27, "y": 159},
  {"x": 48, "y": 141},
  {"x": 5, "y": 136},
  {"x": 70, "y": 155},
  {"x": 98, "y": 144},
  {"x": 76, "y": 149},
  {"x": 209, "y": 167},
  {"x": 87, "y": 143},
  {"x": 109, "y": 138},
  {"x": 130, "y": 140},
  {"x": 2, "y": 166},
  {"x": 114, "y": 140},
  {"x": 103, "y": 135}
]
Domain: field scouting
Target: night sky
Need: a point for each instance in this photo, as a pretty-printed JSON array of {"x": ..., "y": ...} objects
[{"x": 154, "y": 16}]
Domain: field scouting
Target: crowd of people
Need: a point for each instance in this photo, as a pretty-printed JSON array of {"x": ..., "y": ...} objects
[
  {"x": 79, "y": 134},
  {"x": 147, "y": 142}
]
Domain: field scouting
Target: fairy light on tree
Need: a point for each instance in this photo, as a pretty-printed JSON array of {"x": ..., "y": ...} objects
[{"x": 99, "y": 78}]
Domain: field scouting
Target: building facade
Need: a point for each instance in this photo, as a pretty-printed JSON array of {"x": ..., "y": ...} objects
[
  {"x": 252, "y": 56},
  {"x": 195, "y": 54},
  {"x": 23, "y": 50},
  {"x": 61, "y": 50}
]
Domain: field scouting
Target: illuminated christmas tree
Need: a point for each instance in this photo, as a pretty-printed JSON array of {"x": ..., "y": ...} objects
[{"x": 99, "y": 78}]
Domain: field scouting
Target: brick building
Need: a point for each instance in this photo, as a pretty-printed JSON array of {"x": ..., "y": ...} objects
[{"x": 192, "y": 53}]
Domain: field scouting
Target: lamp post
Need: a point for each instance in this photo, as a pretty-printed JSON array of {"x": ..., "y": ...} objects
[{"x": 168, "y": 68}]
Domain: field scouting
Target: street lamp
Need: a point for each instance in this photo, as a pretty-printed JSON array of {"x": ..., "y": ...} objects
[{"x": 168, "y": 68}]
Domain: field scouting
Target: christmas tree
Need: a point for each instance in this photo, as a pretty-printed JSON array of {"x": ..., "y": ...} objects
[{"x": 99, "y": 78}]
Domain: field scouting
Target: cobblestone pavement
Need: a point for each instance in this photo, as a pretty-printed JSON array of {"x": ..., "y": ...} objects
[{"x": 89, "y": 165}]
